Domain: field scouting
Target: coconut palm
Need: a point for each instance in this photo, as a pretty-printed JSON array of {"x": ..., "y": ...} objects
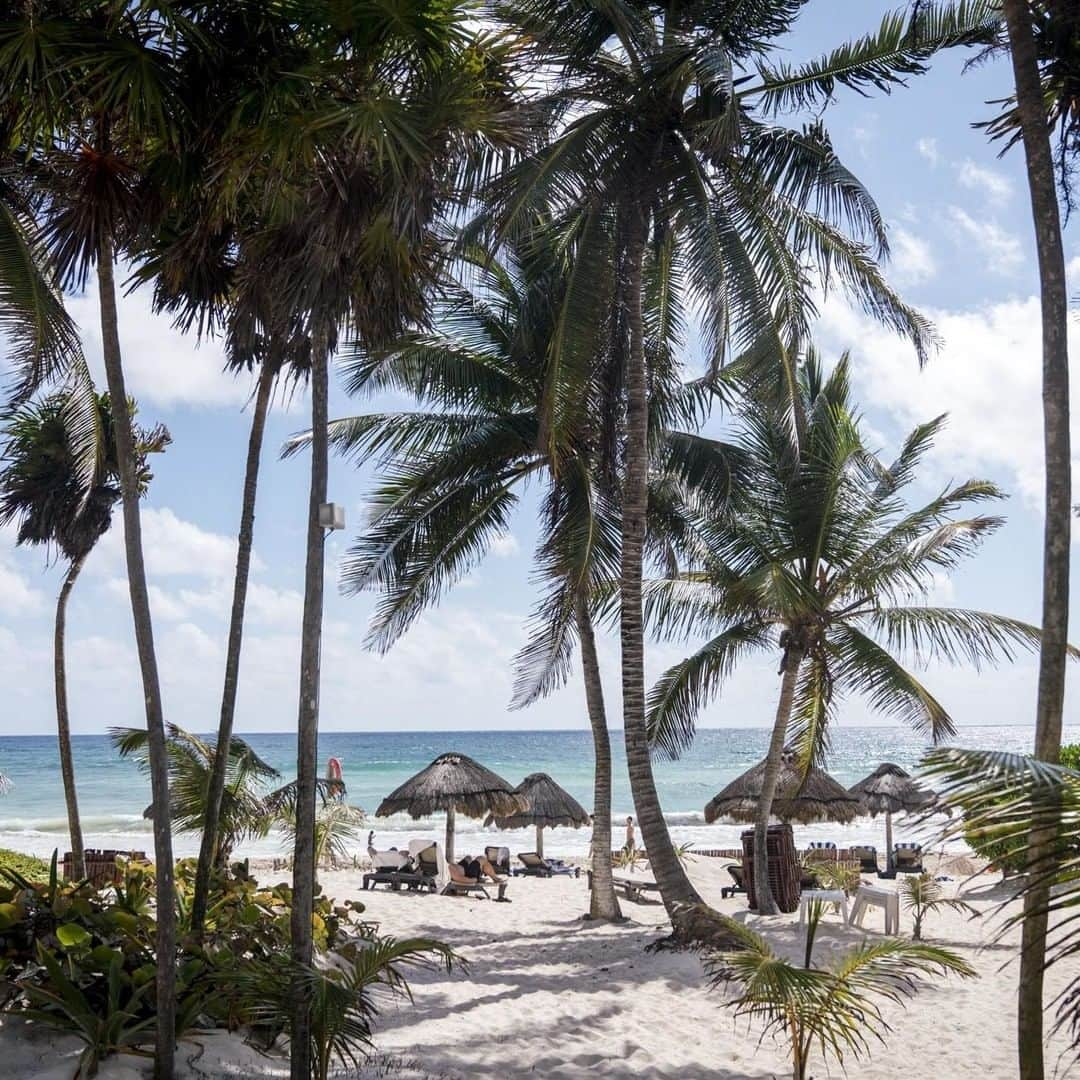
[
  {"x": 244, "y": 813},
  {"x": 665, "y": 141},
  {"x": 41, "y": 489},
  {"x": 836, "y": 1009},
  {"x": 1042, "y": 41},
  {"x": 1012, "y": 797},
  {"x": 823, "y": 561},
  {"x": 922, "y": 895},
  {"x": 486, "y": 378}
]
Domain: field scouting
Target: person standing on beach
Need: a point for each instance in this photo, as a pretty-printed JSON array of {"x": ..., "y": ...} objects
[{"x": 630, "y": 844}]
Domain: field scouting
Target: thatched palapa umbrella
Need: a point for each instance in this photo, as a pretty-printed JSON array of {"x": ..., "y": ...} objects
[
  {"x": 547, "y": 806},
  {"x": 457, "y": 784},
  {"x": 818, "y": 798},
  {"x": 889, "y": 790}
]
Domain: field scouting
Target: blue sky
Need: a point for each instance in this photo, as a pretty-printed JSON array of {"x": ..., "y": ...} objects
[{"x": 962, "y": 252}]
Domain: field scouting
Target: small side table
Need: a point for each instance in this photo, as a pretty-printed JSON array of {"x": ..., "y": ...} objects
[
  {"x": 887, "y": 899},
  {"x": 828, "y": 896}
]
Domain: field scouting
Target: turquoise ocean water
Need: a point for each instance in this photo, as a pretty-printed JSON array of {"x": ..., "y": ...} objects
[{"x": 113, "y": 793}]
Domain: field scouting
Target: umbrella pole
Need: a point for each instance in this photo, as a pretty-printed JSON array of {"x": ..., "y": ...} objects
[
  {"x": 888, "y": 841},
  {"x": 450, "y": 835},
  {"x": 540, "y": 840}
]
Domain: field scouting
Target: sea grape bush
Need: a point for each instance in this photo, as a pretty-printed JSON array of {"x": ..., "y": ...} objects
[{"x": 82, "y": 959}]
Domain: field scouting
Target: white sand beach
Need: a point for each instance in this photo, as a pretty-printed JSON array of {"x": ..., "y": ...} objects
[{"x": 549, "y": 995}]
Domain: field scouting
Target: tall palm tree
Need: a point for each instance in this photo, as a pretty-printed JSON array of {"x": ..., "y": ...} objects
[
  {"x": 1029, "y": 121},
  {"x": 663, "y": 120},
  {"x": 824, "y": 561},
  {"x": 353, "y": 174},
  {"x": 92, "y": 93},
  {"x": 41, "y": 488},
  {"x": 494, "y": 418}
]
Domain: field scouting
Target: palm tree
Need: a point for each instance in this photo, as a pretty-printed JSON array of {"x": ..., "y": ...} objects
[
  {"x": 244, "y": 812},
  {"x": 500, "y": 367},
  {"x": 1030, "y": 115},
  {"x": 41, "y": 487},
  {"x": 922, "y": 895},
  {"x": 356, "y": 170},
  {"x": 93, "y": 89},
  {"x": 822, "y": 560},
  {"x": 1012, "y": 797},
  {"x": 665, "y": 137},
  {"x": 835, "y": 1008}
]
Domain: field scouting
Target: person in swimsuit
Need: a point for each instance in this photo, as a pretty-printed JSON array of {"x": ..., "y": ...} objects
[{"x": 469, "y": 870}]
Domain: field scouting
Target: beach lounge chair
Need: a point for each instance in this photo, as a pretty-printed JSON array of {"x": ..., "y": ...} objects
[
  {"x": 532, "y": 865},
  {"x": 427, "y": 858},
  {"x": 908, "y": 858},
  {"x": 867, "y": 856},
  {"x": 738, "y": 884},
  {"x": 499, "y": 857},
  {"x": 634, "y": 888},
  {"x": 388, "y": 868}
]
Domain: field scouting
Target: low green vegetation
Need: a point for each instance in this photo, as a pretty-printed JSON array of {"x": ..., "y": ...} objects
[
  {"x": 29, "y": 866},
  {"x": 835, "y": 1009},
  {"x": 922, "y": 896},
  {"x": 82, "y": 960}
]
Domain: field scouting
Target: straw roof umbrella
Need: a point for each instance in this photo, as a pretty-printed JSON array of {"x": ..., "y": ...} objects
[
  {"x": 546, "y": 806},
  {"x": 889, "y": 790},
  {"x": 817, "y": 798},
  {"x": 454, "y": 783}
]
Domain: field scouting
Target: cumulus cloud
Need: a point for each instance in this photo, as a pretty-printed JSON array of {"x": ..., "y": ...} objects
[
  {"x": 996, "y": 187},
  {"x": 163, "y": 367},
  {"x": 504, "y": 545},
  {"x": 172, "y": 547},
  {"x": 928, "y": 149},
  {"x": 912, "y": 260},
  {"x": 1002, "y": 252},
  {"x": 987, "y": 377}
]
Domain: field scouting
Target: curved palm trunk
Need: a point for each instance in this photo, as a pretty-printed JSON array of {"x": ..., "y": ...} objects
[
  {"x": 208, "y": 851},
  {"x": 144, "y": 641},
  {"x": 63, "y": 727},
  {"x": 1055, "y": 396},
  {"x": 675, "y": 887},
  {"x": 603, "y": 904},
  {"x": 766, "y": 905},
  {"x": 308, "y": 720}
]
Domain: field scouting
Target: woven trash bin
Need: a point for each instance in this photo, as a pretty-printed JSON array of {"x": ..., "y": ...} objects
[
  {"x": 101, "y": 867},
  {"x": 784, "y": 870}
]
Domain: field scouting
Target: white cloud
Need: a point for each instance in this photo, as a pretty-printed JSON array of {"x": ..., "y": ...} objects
[
  {"x": 928, "y": 149},
  {"x": 162, "y": 366},
  {"x": 505, "y": 545},
  {"x": 987, "y": 377},
  {"x": 172, "y": 546},
  {"x": 912, "y": 260},
  {"x": 995, "y": 186},
  {"x": 17, "y": 596},
  {"x": 1002, "y": 251}
]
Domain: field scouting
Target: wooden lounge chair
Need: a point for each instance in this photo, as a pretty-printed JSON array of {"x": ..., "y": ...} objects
[
  {"x": 867, "y": 857},
  {"x": 467, "y": 888},
  {"x": 634, "y": 888},
  {"x": 908, "y": 858},
  {"x": 738, "y": 882}
]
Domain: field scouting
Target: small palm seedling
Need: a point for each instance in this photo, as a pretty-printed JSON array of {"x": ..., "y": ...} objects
[
  {"x": 836, "y": 1009},
  {"x": 922, "y": 895},
  {"x": 344, "y": 997}
]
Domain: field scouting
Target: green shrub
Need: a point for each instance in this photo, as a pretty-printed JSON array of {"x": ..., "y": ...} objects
[
  {"x": 1070, "y": 756},
  {"x": 30, "y": 866},
  {"x": 82, "y": 960}
]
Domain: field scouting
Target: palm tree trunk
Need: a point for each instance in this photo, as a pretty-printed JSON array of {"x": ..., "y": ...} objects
[
  {"x": 208, "y": 851},
  {"x": 308, "y": 720},
  {"x": 603, "y": 904},
  {"x": 63, "y": 727},
  {"x": 675, "y": 887},
  {"x": 144, "y": 641},
  {"x": 1055, "y": 395},
  {"x": 766, "y": 905}
]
